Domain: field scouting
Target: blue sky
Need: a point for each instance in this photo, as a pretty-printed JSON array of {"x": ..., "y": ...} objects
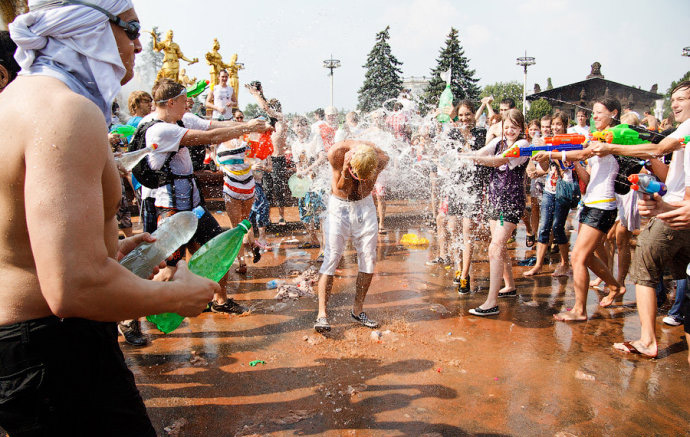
[{"x": 283, "y": 43}]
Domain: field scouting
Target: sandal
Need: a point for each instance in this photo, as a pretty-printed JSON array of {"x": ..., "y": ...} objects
[
  {"x": 242, "y": 270},
  {"x": 256, "y": 250},
  {"x": 487, "y": 312},
  {"x": 530, "y": 240},
  {"x": 382, "y": 231},
  {"x": 321, "y": 325},
  {"x": 309, "y": 246}
]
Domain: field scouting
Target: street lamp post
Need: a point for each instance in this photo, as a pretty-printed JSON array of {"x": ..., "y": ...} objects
[
  {"x": 525, "y": 61},
  {"x": 331, "y": 64}
]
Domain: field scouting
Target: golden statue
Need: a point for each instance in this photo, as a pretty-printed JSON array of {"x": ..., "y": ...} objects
[
  {"x": 186, "y": 80},
  {"x": 171, "y": 63},
  {"x": 215, "y": 60},
  {"x": 234, "y": 80}
]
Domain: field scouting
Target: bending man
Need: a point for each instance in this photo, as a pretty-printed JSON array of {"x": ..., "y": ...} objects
[{"x": 351, "y": 214}]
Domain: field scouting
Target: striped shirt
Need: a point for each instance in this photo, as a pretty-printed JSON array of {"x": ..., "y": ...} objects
[{"x": 238, "y": 179}]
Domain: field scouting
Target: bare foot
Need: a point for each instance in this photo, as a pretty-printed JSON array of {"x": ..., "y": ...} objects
[
  {"x": 533, "y": 271},
  {"x": 595, "y": 283},
  {"x": 611, "y": 297},
  {"x": 561, "y": 270},
  {"x": 637, "y": 348},
  {"x": 570, "y": 316}
]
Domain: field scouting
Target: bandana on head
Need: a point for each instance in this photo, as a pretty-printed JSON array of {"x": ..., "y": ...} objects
[{"x": 73, "y": 43}]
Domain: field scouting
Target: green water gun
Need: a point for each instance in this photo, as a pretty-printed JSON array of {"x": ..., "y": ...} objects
[
  {"x": 624, "y": 134},
  {"x": 197, "y": 89},
  {"x": 124, "y": 130}
]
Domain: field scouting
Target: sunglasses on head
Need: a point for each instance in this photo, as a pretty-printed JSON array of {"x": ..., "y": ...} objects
[
  {"x": 183, "y": 92},
  {"x": 132, "y": 28}
]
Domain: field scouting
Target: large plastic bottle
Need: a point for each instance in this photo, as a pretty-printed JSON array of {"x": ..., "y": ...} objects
[
  {"x": 213, "y": 259},
  {"x": 130, "y": 159},
  {"x": 170, "y": 235},
  {"x": 445, "y": 103}
]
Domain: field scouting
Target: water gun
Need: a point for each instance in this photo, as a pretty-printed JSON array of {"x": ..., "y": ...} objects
[
  {"x": 197, "y": 89},
  {"x": 647, "y": 184},
  {"x": 624, "y": 134},
  {"x": 556, "y": 143},
  {"x": 124, "y": 130}
]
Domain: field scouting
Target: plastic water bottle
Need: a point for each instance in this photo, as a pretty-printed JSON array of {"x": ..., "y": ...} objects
[
  {"x": 170, "y": 235},
  {"x": 446, "y": 99},
  {"x": 275, "y": 283},
  {"x": 213, "y": 259},
  {"x": 129, "y": 160}
]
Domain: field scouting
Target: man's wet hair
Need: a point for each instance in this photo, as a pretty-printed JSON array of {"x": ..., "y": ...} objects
[
  {"x": 508, "y": 101},
  {"x": 680, "y": 86},
  {"x": 7, "y": 49},
  {"x": 320, "y": 113},
  {"x": 467, "y": 104},
  {"x": 275, "y": 105},
  {"x": 166, "y": 89}
]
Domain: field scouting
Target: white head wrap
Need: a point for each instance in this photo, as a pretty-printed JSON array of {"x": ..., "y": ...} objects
[{"x": 75, "y": 44}]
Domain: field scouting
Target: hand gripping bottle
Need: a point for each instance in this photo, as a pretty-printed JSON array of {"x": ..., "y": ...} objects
[
  {"x": 647, "y": 184},
  {"x": 172, "y": 233},
  {"x": 130, "y": 159},
  {"x": 213, "y": 259}
]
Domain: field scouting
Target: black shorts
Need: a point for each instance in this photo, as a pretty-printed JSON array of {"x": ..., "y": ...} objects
[
  {"x": 206, "y": 229},
  {"x": 599, "y": 219},
  {"x": 67, "y": 377},
  {"x": 510, "y": 215},
  {"x": 279, "y": 177}
]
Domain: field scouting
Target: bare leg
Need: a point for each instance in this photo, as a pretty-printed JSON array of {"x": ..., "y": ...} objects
[
  {"x": 453, "y": 243},
  {"x": 508, "y": 279},
  {"x": 381, "y": 210},
  {"x": 534, "y": 201},
  {"x": 362, "y": 287},
  {"x": 442, "y": 235},
  {"x": 646, "y": 308},
  {"x": 623, "y": 244},
  {"x": 497, "y": 256},
  {"x": 325, "y": 287},
  {"x": 527, "y": 220},
  {"x": 588, "y": 239},
  {"x": 467, "y": 253},
  {"x": 562, "y": 269},
  {"x": 541, "y": 253},
  {"x": 281, "y": 212}
]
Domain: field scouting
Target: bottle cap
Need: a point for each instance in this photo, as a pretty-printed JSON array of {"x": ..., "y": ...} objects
[{"x": 246, "y": 224}]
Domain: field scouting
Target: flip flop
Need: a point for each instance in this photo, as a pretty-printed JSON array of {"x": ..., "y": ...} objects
[{"x": 630, "y": 349}]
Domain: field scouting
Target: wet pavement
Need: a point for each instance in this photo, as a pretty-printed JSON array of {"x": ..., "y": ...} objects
[{"x": 430, "y": 370}]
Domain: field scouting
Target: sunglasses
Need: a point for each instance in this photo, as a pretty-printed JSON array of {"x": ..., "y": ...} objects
[
  {"x": 239, "y": 118},
  {"x": 182, "y": 93},
  {"x": 132, "y": 28}
]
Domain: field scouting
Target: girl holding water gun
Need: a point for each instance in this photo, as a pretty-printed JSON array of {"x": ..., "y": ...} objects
[
  {"x": 554, "y": 210},
  {"x": 598, "y": 214},
  {"x": 506, "y": 205}
]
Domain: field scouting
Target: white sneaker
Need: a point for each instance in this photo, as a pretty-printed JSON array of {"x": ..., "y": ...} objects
[{"x": 672, "y": 321}]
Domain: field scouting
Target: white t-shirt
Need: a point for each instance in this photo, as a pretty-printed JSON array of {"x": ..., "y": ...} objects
[
  {"x": 600, "y": 193},
  {"x": 167, "y": 137},
  {"x": 579, "y": 130},
  {"x": 553, "y": 175},
  {"x": 221, "y": 97},
  {"x": 677, "y": 176}
]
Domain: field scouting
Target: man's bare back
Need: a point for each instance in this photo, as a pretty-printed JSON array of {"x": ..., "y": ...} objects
[
  {"x": 59, "y": 196},
  {"x": 344, "y": 184}
]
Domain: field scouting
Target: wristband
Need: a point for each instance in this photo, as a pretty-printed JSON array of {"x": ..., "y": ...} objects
[{"x": 562, "y": 155}]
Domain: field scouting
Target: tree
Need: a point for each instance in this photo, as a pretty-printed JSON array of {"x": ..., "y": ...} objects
[
  {"x": 462, "y": 82},
  {"x": 503, "y": 90},
  {"x": 538, "y": 109},
  {"x": 149, "y": 62},
  {"x": 382, "y": 81},
  {"x": 667, "y": 100},
  {"x": 252, "y": 110},
  {"x": 549, "y": 85}
]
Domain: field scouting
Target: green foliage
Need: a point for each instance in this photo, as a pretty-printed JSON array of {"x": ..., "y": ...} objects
[
  {"x": 667, "y": 100},
  {"x": 252, "y": 110},
  {"x": 383, "y": 80},
  {"x": 538, "y": 109},
  {"x": 462, "y": 83},
  {"x": 502, "y": 90},
  {"x": 549, "y": 85}
]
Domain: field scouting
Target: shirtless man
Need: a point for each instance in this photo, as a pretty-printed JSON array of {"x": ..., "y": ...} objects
[
  {"x": 62, "y": 287},
  {"x": 351, "y": 214}
]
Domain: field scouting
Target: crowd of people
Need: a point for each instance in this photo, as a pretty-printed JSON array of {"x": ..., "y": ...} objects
[{"x": 63, "y": 370}]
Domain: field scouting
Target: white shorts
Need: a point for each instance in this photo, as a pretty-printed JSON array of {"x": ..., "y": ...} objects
[
  {"x": 628, "y": 214},
  {"x": 350, "y": 219}
]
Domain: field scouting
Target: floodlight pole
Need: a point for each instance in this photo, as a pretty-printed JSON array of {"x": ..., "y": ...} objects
[
  {"x": 331, "y": 64},
  {"x": 525, "y": 61}
]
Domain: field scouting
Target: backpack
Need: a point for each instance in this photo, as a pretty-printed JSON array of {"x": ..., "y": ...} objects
[
  {"x": 142, "y": 171},
  {"x": 626, "y": 166}
]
